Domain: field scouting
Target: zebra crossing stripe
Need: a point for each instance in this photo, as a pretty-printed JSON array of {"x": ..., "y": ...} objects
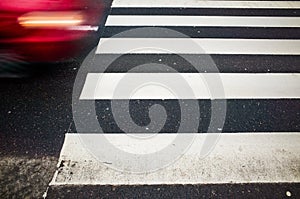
[
  {"x": 203, "y": 46},
  {"x": 236, "y": 86},
  {"x": 206, "y": 4},
  {"x": 237, "y": 158},
  {"x": 224, "y": 21}
]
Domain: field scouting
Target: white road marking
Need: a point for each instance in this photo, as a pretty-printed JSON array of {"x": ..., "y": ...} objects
[
  {"x": 205, "y": 4},
  {"x": 231, "y": 21},
  {"x": 236, "y": 158},
  {"x": 236, "y": 86},
  {"x": 197, "y": 46}
]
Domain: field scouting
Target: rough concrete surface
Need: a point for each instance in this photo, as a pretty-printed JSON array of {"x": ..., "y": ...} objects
[{"x": 22, "y": 177}]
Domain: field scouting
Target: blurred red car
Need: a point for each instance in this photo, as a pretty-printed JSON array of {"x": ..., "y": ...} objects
[{"x": 46, "y": 30}]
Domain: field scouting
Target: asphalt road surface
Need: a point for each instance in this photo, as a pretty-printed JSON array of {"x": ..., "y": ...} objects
[{"x": 249, "y": 49}]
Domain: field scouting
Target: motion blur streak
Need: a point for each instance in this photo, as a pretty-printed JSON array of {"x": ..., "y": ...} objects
[
  {"x": 51, "y": 19},
  {"x": 47, "y": 30}
]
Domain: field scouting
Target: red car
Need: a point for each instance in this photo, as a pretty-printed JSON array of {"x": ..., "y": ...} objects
[{"x": 46, "y": 30}]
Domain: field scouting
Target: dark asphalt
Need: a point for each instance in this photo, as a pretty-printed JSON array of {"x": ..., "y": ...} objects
[
  {"x": 207, "y": 11},
  {"x": 241, "y": 116},
  {"x": 183, "y": 63},
  {"x": 262, "y": 191},
  {"x": 214, "y": 32},
  {"x": 36, "y": 112}
]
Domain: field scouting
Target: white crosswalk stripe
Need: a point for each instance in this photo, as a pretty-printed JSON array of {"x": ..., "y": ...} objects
[
  {"x": 205, "y": 4},
  {"x": 231, "y": 21},
  {"x": 203, "y": 46},
  {"x": 223, "y": 165},
  {"x": 238, "y": 157},
  {"x": 236, "y": 86}
]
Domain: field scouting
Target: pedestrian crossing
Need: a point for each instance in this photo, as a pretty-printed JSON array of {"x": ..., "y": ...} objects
[{"x": 240, "y": 59}]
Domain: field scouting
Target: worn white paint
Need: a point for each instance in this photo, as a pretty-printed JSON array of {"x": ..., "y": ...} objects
[
  {"x": 223, "y": 21},
  {"x": 166, "y": 85},
  {"x": 197, "y": 46},
  {"x": 236, "y": 158},
  {"x": 205, "y": 4}
]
